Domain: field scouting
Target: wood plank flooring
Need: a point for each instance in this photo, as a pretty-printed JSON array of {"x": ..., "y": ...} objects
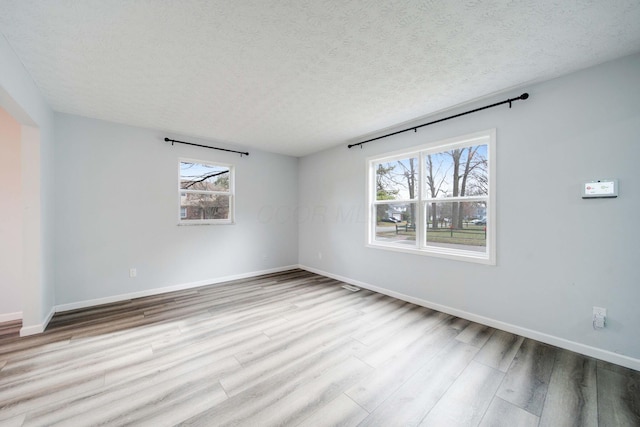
[{"x": 296, "y": 349}]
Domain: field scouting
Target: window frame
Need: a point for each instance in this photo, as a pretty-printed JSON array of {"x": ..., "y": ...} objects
[
  {"x": 488, "y": 257},
  {"x": 230, "y": 193}
]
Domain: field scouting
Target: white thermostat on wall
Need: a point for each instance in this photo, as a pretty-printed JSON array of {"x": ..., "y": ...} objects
[{"x": 600, "y": 188}]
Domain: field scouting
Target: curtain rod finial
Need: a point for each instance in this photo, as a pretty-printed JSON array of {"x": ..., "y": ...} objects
[{"x": 524, "y": 96}]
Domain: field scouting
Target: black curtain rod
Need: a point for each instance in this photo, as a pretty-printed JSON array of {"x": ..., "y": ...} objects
[
  {"x": 415, "y": 128},
  {"x": 245, "y": 153}
]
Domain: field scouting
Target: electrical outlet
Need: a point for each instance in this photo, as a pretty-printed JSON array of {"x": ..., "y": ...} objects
[
  {"x": 133, "y": 272},
  {"x": 599, "y": 317},
  {"x": 599, "y": 311}
]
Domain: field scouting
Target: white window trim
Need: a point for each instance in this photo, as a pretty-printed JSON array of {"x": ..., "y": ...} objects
[
  {"x": 231, "y": 193},
  {"x": 489, "y": 257}
]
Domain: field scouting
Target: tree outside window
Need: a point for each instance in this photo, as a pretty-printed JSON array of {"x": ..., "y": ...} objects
[
  {"x": 206, "y": 192},
  {"x": 436, "y": 199}
]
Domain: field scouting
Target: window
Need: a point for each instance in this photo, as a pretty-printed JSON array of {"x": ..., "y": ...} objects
[
  {"x": 437, "y": 199},
  {"x": 206, "y": 193}
]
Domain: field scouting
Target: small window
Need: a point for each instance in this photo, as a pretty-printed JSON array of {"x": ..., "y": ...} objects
[
  {"x": 437, "y": 199},
  {"x": 206, "y": 193}
]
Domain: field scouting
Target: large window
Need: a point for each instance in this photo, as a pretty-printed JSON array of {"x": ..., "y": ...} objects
[
  {"x": 437, "y": 199},
  {"x": 206, "y": 193}
]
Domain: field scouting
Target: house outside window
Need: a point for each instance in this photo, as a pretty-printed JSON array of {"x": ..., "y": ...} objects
[
  {"x": 206, "y": 192},
  {"x": 437, "y": 199}
]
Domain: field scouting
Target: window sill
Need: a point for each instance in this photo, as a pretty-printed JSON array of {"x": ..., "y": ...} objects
[
  {"x": 453, "y": 254},
  {"x": 188, "y": 223}
]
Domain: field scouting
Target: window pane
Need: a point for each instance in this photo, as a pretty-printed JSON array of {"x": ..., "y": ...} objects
[
  {"x": 457, "y": 225},
  {"x": 200, "y": 176},
  {"x": 396, "y": 180},
  {"x": 202, "y": 206},
  {"x": 395, "y": 223},
  {"x": 456, "y": 173}
]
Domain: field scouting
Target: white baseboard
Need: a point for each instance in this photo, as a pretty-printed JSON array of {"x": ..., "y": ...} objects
[
  {"x": 39, "y": 328},
  {"x": 166, "y": 289},
  {"x": 587, "y": 350},
  {"x": 8, "y": 317}
]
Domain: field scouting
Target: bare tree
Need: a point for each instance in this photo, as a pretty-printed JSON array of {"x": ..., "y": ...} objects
[
  {"x": 391, "y": 179},
  {"x": 187, "y": 184},
  {"x": 456, "y": 220},
  {"x": 201, "y": 181},
  {"x": 456, "y": 173},
  {"x": 469, "y": 170},
  {"x": 435, "y": 178},
  {"x": 383, "y": 181},
  {"x": 409, "y": 173}
]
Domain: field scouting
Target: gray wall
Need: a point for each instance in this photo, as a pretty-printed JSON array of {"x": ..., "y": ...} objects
[
  {"x": 112, "y": 203},
  {"x": 557, "y": 254},
  {"x": 117, "y": 207}
]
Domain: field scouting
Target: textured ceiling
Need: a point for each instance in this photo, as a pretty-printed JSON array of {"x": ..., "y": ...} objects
[{"x": 298, "y": 76}]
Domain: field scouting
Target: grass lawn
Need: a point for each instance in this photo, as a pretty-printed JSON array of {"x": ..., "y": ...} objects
[{"x": 473, "y": 235}]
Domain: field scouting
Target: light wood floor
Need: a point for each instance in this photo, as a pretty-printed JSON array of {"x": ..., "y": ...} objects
[{"x": 292, "y": 349}]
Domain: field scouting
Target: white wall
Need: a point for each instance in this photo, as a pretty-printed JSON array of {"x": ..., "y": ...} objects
[
  {"x": 20, "y": 97},
  {"x": 117, "y": 207},
  {"x": 10, "y": 219},
  {"x": 557, "y": 254}
]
